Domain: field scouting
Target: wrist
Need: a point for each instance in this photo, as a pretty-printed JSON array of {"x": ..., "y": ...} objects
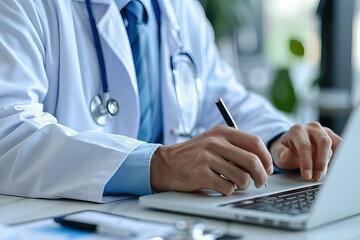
[{"x": 159, "y": 169}]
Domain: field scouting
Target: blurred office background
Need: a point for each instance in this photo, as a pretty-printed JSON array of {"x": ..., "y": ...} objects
[{"x": 304, "y": 55}]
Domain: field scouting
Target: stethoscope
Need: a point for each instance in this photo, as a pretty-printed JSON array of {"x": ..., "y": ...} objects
[
  {"x": 103, "y": 107},
  {"x": 183, "y": 63}
]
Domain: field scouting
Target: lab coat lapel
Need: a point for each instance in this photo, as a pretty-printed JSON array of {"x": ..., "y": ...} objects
[
  {"x": 111, "y": 28},
  {"x": 114, "y": 40},
  {"x": 170, "y": 43},
  {"x": 112, "y": 31},
  {"x": 169, "y": 26}
]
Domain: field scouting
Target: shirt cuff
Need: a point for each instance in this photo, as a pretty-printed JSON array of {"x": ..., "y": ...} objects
[
  {"x": 133, "y": 176},
  {"x": 274, "y": 135}
]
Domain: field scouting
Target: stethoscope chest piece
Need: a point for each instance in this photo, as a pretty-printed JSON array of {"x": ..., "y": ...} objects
[
  {"x": 112, "y": 106},
  {"x": 103, "y": 108}
]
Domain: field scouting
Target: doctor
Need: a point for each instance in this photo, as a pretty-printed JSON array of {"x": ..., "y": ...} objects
[{"x": 73, "y": 105}]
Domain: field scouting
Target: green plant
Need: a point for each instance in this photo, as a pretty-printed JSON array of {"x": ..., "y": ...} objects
[
  {"x": 227, "y": 15},
  {"x": 282, "y": 92}
]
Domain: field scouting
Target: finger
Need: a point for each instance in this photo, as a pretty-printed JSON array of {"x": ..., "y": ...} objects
[
  {"x": 336, "y": 139},
  {"x": 286, "y": 156},
  {"x": 219, "y": 184},
  {"x": 323, "y": 144},
  {"x": 299, "y": 138},
  {"x": 241, "y": 158},
  {"x": 244, "y": 160},
  {"x": 282, "y": 156},
  {"x": 252, "y": 164},
  {"x": 250, "y": 143},
  {"x": 232, "y": 173}
]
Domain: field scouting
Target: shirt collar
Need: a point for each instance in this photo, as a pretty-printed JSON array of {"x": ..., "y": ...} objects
[{"x": 122, "y": 3}]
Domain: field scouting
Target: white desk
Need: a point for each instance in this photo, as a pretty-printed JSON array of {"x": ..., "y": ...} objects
[{"x": 16, "y": 210}]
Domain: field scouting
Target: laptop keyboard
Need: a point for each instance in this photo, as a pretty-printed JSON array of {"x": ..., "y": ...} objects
[{"x": 291, "y": 202}]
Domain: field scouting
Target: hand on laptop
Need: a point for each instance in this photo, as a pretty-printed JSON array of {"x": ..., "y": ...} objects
[
  {"x": 218, "y": 159},
  {"x": 305, "y": 147}
]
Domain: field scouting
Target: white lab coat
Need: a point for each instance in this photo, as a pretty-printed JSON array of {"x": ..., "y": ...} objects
[{"x": 50, "y": 147}]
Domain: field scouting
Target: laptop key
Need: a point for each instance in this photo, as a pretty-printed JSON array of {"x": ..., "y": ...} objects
[{"x": 291, "y": 202}]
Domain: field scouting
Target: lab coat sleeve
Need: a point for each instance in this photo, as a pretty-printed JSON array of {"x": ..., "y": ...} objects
[
  {"x": 252, "y": 112},
  {"x": 47, "y": 160},
  {"x": 38, "y": 156}
]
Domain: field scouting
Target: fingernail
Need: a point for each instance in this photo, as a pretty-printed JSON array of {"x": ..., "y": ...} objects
[
  {"x": 317, "y": 175},
  {"x": 330, "y": 154},
  {"x": 281, "y": 157},
  {"x": 262, "y": 186},
  {"x": 308, "y": 174},
  {"x": 270, "y": 170}
]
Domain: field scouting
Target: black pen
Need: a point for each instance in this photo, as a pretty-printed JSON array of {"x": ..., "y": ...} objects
[
  {"x": 227, "y": 116},
  {"x": 95, "y": 227},
  {"x": 225, "y": 113}
]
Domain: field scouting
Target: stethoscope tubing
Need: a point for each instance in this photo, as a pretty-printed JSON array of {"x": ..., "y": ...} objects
[
  {"x": 99, "y": 52},
  {"x": 180, "y": 53},
  {"x": 102, "y": 104}
]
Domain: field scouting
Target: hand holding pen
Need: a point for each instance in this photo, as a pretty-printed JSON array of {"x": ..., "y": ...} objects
[
  {"x": 221, "y": 159},
  {"x": 227, "y": 116}
]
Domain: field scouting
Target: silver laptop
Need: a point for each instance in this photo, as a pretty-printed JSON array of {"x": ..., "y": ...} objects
[{"x": 289, "y": 202}]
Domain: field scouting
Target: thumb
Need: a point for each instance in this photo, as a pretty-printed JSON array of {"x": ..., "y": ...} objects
[
  {"x": 281, "y": 154},
  {"x": 285, "y": 155}
]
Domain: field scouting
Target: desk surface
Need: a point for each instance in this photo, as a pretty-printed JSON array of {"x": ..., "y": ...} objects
[{"x": 16, "y": 210}]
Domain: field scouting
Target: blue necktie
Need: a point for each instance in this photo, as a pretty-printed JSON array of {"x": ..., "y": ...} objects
[{"x": 135, "y": 15}]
